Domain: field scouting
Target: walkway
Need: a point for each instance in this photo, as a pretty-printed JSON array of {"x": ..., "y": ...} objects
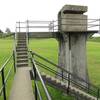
[{"x": 22, "y": 84}]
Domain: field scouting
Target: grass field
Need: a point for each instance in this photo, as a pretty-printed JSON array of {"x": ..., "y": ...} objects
[
  {"x": 49, "y": 48},
  {"x": 6, "y": 46}
]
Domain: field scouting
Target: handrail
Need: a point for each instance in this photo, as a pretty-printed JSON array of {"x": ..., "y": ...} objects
[
  {"x": 6, "y": 62},
  {"x": 55, "y": 65},
  {"x": 5, "y": 78},
  {"x": 54, "y": 25},
  {"x": 36, "y": 72},
  {"x": 95, "y": 90}
]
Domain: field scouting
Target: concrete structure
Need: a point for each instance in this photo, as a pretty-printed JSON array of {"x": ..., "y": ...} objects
[
  {"x": 72, "y": 40},
  {"x": 71, "y": 18},
  {"x": 42, "y": 34}
]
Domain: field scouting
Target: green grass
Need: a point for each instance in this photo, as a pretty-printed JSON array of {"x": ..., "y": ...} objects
[
  {"x": 93, "y": 57},
  {"x": 49, "y": 48},
  {"x": 6, "y": 46},
  {"x": 94, "y": 39}
]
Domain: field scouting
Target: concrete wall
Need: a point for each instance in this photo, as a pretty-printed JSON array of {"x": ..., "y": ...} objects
[{"x": 42, "y": 35}]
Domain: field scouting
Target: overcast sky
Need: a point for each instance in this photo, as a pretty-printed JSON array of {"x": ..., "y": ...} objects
[{"x": 15, "y": 10}]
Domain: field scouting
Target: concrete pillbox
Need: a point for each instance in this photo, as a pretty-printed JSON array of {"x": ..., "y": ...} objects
[{"x": 71, "y": 18}]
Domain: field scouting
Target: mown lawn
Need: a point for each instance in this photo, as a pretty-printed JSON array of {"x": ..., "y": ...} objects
[
  {"x": 49, "y": 48},
  {"x": 6, "y": 47}
]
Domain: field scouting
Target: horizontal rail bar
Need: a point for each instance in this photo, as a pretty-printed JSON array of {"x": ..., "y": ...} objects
[
  {"x": 46, "y": 91},
  {"x": 84, "y": 88},
  {"x": 6, "y": 62},
  {"x": 40, "y": 97},
  {"x": 7, "y": 76},
  {"x": 62, "y": 68}
]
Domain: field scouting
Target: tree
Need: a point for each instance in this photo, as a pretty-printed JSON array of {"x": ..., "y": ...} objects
[
  {"x": 7, "y": 31},
  {"x": 1, "y": 31}
]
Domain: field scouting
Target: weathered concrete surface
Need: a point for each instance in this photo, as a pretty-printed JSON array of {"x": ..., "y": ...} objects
[
  {"x": 74, "y": 9},
  {"x": 71, "y": 21},
  {"x": 22, "y": 85},
  {"x": 42, "y": 34},
  {"x": 72, "y": 46},
  {"x": 78, "y": 56},
  {"x": 72, "y": 56}
]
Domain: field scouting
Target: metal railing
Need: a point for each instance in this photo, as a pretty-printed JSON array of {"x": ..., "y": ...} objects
[
  {"x": 36, "y": 74},
  {"x": 66, "y": 76},
  {"x": 32, "y": 26},
  {"x": 5, "y": 78},
  {"x": 55, "y": 25}
]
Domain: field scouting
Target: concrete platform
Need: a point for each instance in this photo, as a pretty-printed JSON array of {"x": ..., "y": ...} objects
[{"x": 22, "y": 85}]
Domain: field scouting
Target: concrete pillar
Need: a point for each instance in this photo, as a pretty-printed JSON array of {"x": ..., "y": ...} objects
[{"x": 72, "y": 41}]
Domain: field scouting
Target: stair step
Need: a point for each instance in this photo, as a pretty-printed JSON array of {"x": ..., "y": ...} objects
[
  {"x": 21, "y": 43},
  {"x": 21, "y": 36},
  {"x": 24, "y": 42},
  {"x": 22, "y": 64},
  {"x": 21, "y": 39},
  {"x": 21, "y": 49},
  {"x": 22, "y": 56},
  {"x": 22, "y": 60},
  {"x": 62, "y": 85},
  {"x": 21, "y": 53}
]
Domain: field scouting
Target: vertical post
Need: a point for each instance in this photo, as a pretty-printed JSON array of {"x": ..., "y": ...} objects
[
  {"x": 35, "y": 79},
  {"x": 68, "y": 82},
  {"x": 19, "y": 26},
  {"x": 3, "y": 84},
  {"x": 62, "y": 74},
  {"x": 27, "y": 31},
  {"x": 14, "y": 61},
  {"x": 99, "y": 26},
  {"x": 35, "y": 92},
  {"x": 98, "y": 91},
  {"x": 35, "y": 82},
  {"x": 70, "y": 54},
  {"x": 53, "y": 25}
]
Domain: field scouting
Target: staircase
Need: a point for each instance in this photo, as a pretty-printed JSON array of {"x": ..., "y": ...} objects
[
  {"x": 21, "y": 50},
  {"x": 64, "y": 87}
]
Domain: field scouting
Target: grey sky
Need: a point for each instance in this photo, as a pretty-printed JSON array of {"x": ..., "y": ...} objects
[{"x": 15, "y": 10}]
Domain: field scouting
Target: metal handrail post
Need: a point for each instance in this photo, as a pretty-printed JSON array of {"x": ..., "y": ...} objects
[
  {"x": 35, "y": 78},
  {"x": 14, "y": 61},
  {"x": 53, "y": 25},
  {"x": 27, "y": 30},
  {"x": 99, "y": 26},
  {"x": 39, "y": 75},
  {"x": 3, "y": 84},
  {"x": 19, "y": 26},
  {"x": 68, "y": 83},
  {"x": 98, "y": 91}
]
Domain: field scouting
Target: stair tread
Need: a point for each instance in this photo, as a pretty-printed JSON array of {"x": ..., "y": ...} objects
[
  {"x": 22, "y": 63},
  {"x": 71, "y": 87},
  {"x": 23, "y": 59}
]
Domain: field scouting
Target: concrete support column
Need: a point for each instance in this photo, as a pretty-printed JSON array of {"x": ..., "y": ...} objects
[
  {"x": 78, "y": 57},
  {"x": 63, "y": 56},
  {"x": 72, "y": 55},
  {"x": 72, "y": 41}
]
